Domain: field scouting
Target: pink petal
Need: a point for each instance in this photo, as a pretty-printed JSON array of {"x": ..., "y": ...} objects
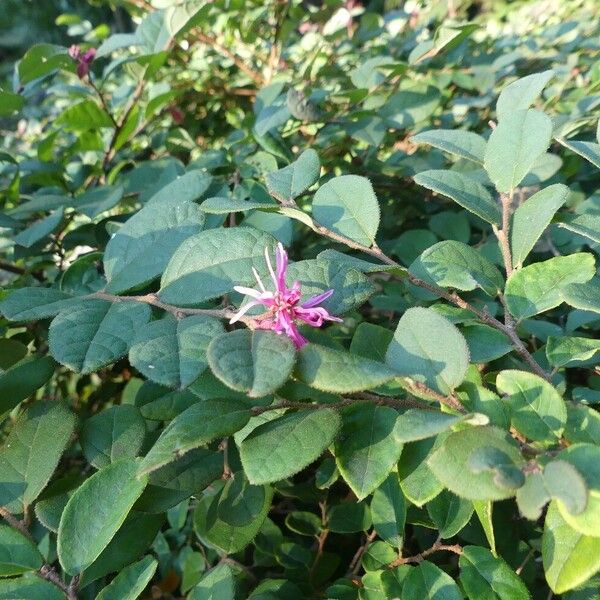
[
  {"x": 314, "y": 300},
  {"x": 282, "y": 264},
  {"x": 286, "y": 323},
  {"x": 315, "y": 317},
  {"x": 89, "y": 56}
]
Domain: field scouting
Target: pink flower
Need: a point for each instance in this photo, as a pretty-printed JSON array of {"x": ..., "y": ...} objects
[
  {"x": 84, "y": 60},
  {"x": 283, "y": 308}
]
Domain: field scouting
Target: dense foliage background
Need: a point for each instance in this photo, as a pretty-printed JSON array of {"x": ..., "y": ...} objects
[{"x": 433, "y": 163}]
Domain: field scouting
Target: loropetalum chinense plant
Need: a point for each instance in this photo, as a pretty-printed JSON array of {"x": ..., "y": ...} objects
[{"x": 300, "y": 300}]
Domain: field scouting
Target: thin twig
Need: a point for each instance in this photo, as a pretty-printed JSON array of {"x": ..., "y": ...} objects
[
  {"x": 153, "y": 300},
  {"x": 418, "y": 558},
  {"x": 14, "y": 522},
  {"x": 451, "y": 297},
  {"x": 10, "y": 268},
  {"x": 503, "y": 234},
  {"x": 239, "y": 62},
  {"x": 398, "y": 403},
  {"x": 354, "y": 566}
]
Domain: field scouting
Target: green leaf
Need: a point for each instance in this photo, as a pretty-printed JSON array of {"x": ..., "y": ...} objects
[
  {"x": 485, "y": 343},
  {"x": 349, "y": 517},
  {"x": 585, "y": 296},
  {"x": 218, "y": 583},
  {"x": 350, "y": 287},
  {"x": 303, "y": 523},
  {"x": 256, "y": 362},
  {"x": 172, "y": 351},
  {"x": 130, "y": 582},
  {"x": 388, "y": 511},
  {"x": 31, "y": 452},
  {"x": 23, "y": 379},
  {"x": 29, "y": 587},
  {"x": 583, "y": 424},
  {"x": 338, "y": 371},
  {"x": 568, "y": 350},
  {"x": 466, "y": 192},
  {"x": 586, "y": 460},
  {"x": 18, "y": 554},
  {"x": 40, "y": 60},
  {"x": 531, "y": 219},
  {"x": 10, "y": 103},
  {"x": 95, "y": 512},
  {"x": 465, "y": 144},
  {"x": 586, "y": 224},
  {"x": 95, "y": 333},
  {"x": 566, "y": 485},
  {"x": 514, "y": 146},
  {"x": 98, "y": 200},
  {"x": 536, "y": 408},
  {"x": 570, "y": 558},
  {"x": 449, "y": 462},
  {"x": 588, "y": 150},
  {"x": 371, "y": 341},
  {"x": 348, "y": 206},
  {"x": 455, "y": 265},
  {"x": 522, "y": 93},
  {"x": 209, "y": 264},
  {"x": 178, "y": 480},
  {"x": 483, "y": 510},
  {"x": 484, "y": 575},
  {"x": 288, "y": 183},
  {"x": 195, "y": 427},
  {"x": 83, "y": 116},
  {"x": 116, "y": 432},
  {"x": 415, "y": 424},
  {"x": 417, "y": 481},
  {"x": 539, "y": 287},
  {"x": 220, "y": 534},
  {"x": 428, "y": 582},
  {"x": 141, "y": 249},
  {"x": 224, "y": 206},
  {"x": 449, "y": 513},
  {"x": 283, "y": 447},
  {"x": 409, "y": 106},
  {"x": 130, "y": 542},
  {"x": 33, "y": 303},
  {"x": 240, "y": 502},
  {"x": 428, "y": 348},
  {"x": 40, "y": 229},
  {"x": 366, "y": 449}
]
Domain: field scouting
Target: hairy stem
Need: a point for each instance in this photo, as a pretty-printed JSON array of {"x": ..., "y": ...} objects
[
  {"x": 421, "y": 556},
  {"x": 451, "y": 297}
]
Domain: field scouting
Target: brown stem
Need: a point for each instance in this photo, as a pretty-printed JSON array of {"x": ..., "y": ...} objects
[
  {"x": 111, "y": 151},
  {"x": 14, "y": 522},
  {"x": 152, "y": 299},
  {"x": 239, "y": 62},
  {"x": 356, "y": 399},
  {"x": 503, "y": 235},
  {"x": 10, "y": 268},
  {"x": 451, "y": 297},
  {"x": 450, "y": 401},
  {"x": 418, "y": 558},
  {"x": 103, "y": 101},
  {"x": 46, "y": 571},
  {"x": 354, "y": 566}
]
